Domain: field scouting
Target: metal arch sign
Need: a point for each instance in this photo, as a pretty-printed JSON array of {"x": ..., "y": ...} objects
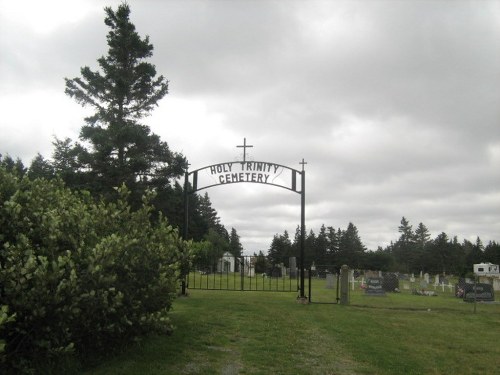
[
  {"x": 259, "y": 172},
  {"x": 250, "y": 172}
]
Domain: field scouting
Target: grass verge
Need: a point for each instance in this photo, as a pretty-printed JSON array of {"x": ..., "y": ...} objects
[{"x": 220, "y": 332}]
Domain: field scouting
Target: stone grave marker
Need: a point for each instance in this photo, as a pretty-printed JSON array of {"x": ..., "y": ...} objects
[
  {"x": 293, "y": 267},
  {"x": 283, "y": 269},
  {"x": 344, "y": 285},
  {"x": 374, "y": 286},
  {"x": 481, "y": 293},
  {"x": 329, "y": 281}
]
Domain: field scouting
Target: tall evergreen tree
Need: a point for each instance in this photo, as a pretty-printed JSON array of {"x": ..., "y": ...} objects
[
  {"x": 351, "y": 249},
  {"x": 280, "y": 249},
  {"x": 333, "y": 245},
  {"x": 123, "y": 91},
  {"x": 404, "y": 248},
  {"x": 422, "y": 240},
  {"x": 492, "y": 252},
  {"x": 321, "y": 246},
  {"x": 13, "y": 166},
  {"x": 235, "y": 246},
  {"x": 40, "y": 168}
]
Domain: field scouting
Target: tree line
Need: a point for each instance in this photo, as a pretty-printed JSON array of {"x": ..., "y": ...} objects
[{"x": 412, "y": 252}]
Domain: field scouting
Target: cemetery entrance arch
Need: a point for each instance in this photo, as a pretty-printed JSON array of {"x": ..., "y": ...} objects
[{"x": 257, "y": 172}]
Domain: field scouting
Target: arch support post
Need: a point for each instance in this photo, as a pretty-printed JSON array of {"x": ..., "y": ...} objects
[
  {"x": 186, "y": 223},
  {"x": 302, "y": 233}
]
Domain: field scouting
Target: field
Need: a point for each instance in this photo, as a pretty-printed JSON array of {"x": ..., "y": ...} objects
[{"x": 228, "y": 332}]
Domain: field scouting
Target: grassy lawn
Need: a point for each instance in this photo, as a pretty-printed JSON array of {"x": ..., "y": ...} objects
[{"x": 221, "y": 332}]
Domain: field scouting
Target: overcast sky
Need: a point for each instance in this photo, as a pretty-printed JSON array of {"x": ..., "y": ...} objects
[{"x": 394, "y": 105}]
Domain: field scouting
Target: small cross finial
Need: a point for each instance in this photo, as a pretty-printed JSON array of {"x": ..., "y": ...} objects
[
  {"x": 303, "y": 163},
  {"x": 245, "y": 146}
]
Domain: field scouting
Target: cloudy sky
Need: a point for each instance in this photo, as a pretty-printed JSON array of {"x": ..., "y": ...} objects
[{"x": 394, "y": 105}]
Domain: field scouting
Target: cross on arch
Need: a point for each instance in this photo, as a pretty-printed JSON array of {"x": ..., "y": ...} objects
[
  {"x": 303, "y": 163},
  {"x": 245, "y": 146}
]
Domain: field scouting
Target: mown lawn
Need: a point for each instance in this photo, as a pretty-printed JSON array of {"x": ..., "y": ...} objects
[{"x": 221, "y": 332}]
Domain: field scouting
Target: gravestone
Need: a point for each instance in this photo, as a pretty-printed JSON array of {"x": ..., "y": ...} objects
[
  {"x": 426, "y": 278},
  {"x": 276, "y": 272},
  {"x": 251, "y": 271},
  {"x": 390, "y": 282},
  {"x": 436, "y": 280},
  {"x": 375, "y": 286},
  {"x": 478, "y": 292},
  {"x": 293, "y": 267},
  {"x": 283, "y": 270},
  {"x": 329, "y": 281}
]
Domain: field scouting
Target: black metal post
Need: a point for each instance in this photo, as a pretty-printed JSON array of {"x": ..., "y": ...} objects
[
  {"x": 186, "y": 222},
  {"x": 186, "y": 205},
  {"x": 302, "y": 231}
]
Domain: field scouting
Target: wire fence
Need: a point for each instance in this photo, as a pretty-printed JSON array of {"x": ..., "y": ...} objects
[{"x": 394, "y": 290}]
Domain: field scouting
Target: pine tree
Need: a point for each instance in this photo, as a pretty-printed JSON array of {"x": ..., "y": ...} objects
[
  {"x": 280, "y": 249},
  {"x": 123, "y": 91},
  {"x": 13, "y": 166},
  {"x": 235, "y": 246},
  {"x": 351, "y": 249},
  {"x": 404, "y": 247},
  {"x": 40, "y": 168}
]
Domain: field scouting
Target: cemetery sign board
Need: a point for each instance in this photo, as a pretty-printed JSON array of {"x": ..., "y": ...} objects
[{"x": 259, "y": 172}]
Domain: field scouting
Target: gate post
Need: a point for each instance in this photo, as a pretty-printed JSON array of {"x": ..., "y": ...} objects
[
  {"x": 302, "y": 230},
  {"x": 185, "y": 229},
  {"x": 344, "y": 285}
]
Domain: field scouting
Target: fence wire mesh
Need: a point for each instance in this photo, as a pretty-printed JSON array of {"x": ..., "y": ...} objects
[{"x": 396, "y": 290}]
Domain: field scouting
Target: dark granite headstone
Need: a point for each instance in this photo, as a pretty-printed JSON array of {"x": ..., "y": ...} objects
[
  {"x": 481, "y": 293},
  {"x": 276, "y": 272},
  {"x": 391, "y": 282},
  {"x": 375, "y": 286}
]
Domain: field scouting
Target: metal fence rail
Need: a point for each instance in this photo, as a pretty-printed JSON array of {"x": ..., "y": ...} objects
[{"x": 243, "y": 274}]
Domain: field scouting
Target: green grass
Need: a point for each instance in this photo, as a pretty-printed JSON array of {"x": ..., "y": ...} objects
[{"x": 220, "y": 332}]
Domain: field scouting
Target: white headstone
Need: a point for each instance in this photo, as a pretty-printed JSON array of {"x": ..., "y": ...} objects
[
  {"x": 426, "y": 278},
  {"x": 329, "y": 281},
  {"x": 436, "y": 280}
]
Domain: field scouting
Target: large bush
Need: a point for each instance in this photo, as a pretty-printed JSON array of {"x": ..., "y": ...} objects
[{"x": 78, "y": 276}]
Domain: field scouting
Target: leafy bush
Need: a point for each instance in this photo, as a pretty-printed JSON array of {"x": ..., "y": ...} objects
[{"x": 80, "y": 276}]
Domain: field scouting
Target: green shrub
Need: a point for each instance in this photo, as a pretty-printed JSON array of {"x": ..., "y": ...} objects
[{"x": 80, "y": 276}]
